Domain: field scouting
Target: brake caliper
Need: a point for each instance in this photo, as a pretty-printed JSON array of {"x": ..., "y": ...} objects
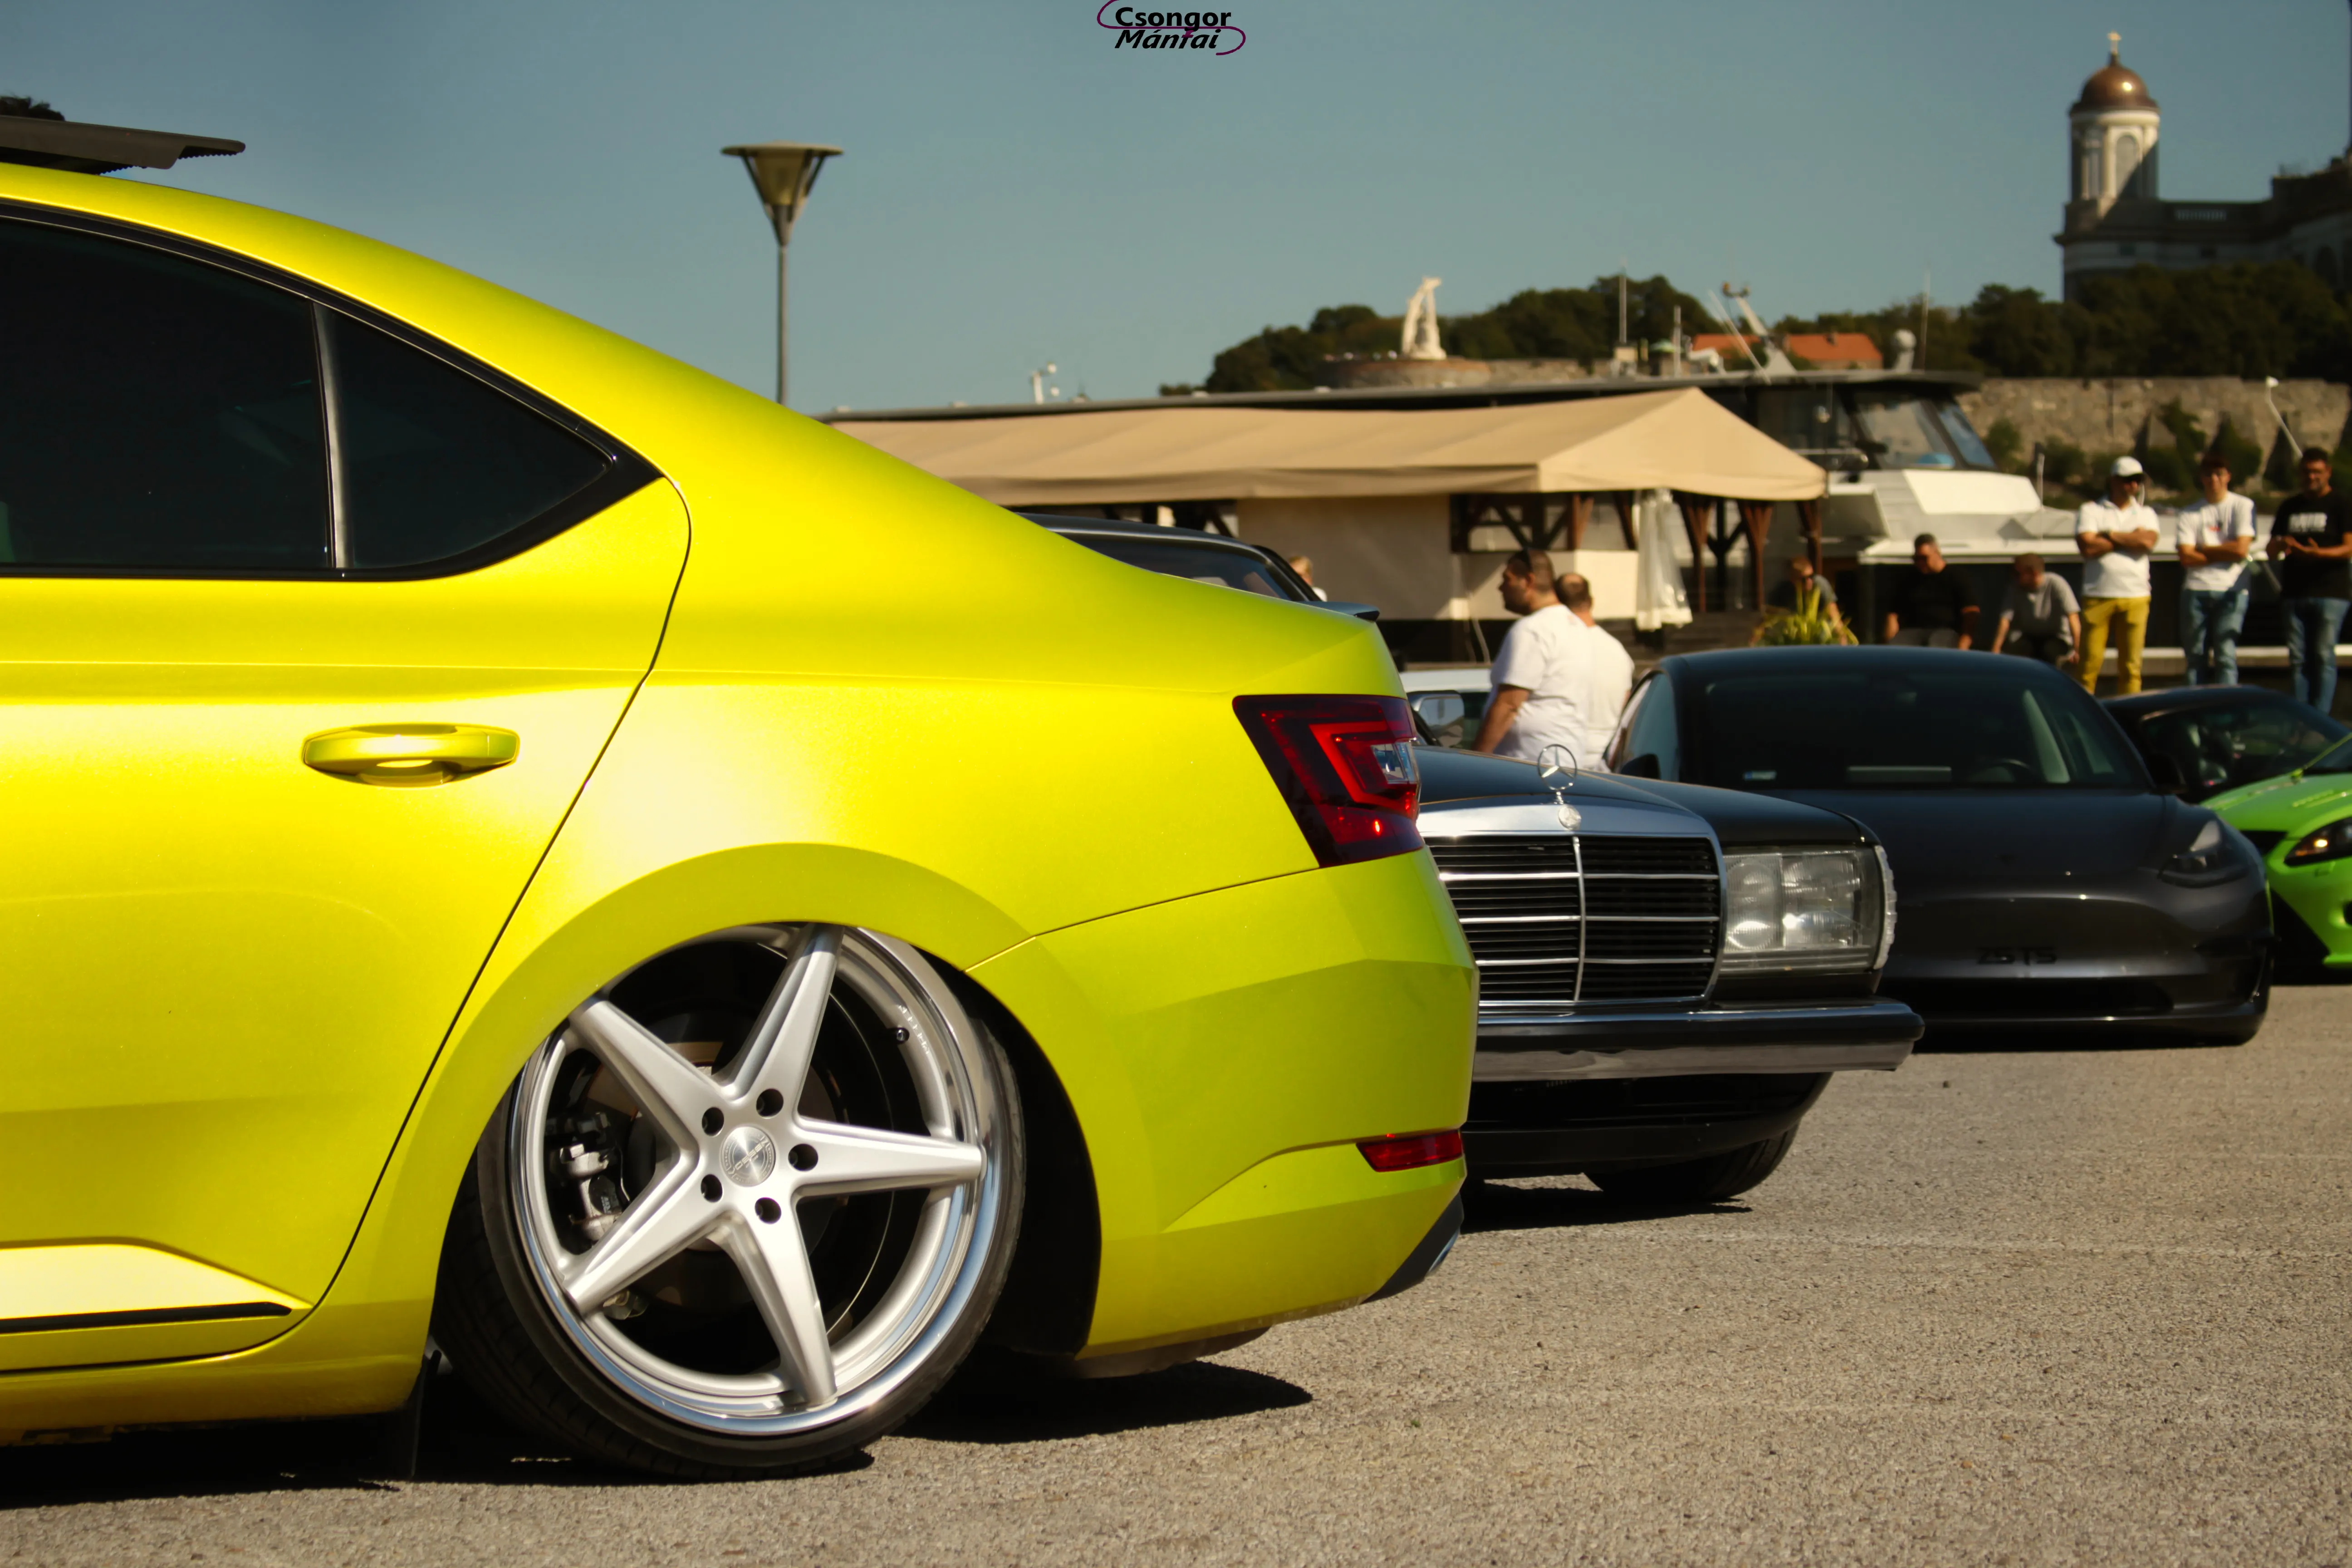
[{"x": 583, "y": 1153}]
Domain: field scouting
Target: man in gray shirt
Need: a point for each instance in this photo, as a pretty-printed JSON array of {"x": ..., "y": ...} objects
[{"x": 2040, "y": 616}]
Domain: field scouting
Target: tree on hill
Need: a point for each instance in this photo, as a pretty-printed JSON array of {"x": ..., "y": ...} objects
[
  {"x": 2240, "y": 318},
  {"x": 1284, "y": 359},
  {"x": 1574, "y": 324},
  {"x": 1535, "y": 323}
]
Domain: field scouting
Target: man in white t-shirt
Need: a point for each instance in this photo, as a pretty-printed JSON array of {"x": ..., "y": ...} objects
[
  {"x": 2215, "y": 536},
  {"x": 1540, "y": 683},
  {"x": 2115, "y": 536},
  {"x": 1608, "y": 671}
]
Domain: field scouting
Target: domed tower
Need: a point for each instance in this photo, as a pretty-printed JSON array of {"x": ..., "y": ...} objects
[{"x": 2111, "y": 139}]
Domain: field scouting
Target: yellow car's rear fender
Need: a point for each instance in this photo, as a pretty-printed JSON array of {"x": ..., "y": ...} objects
[{"x": 359, "y": 1349}]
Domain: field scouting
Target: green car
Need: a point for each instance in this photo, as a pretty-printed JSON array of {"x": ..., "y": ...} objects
[{"x": 2301, "y": 823}]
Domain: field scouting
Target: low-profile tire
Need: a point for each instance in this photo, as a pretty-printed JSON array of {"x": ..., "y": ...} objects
[
  {"x": 1707, "y": 1181},
  {"x": 745, "y": 1211}
]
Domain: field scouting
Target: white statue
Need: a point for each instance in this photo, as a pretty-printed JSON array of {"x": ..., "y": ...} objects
[{"x": 1421, "y": 322}]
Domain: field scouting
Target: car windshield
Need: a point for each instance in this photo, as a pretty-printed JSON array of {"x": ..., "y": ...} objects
[
  {"x": 2336, "y": 759},
  {"x": 1198, "y": 563},
  {"x": 1901, "y": 729},
  {"x": 2222, "y": 747}
]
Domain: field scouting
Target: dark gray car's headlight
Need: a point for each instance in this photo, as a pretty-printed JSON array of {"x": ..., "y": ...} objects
[
  {"x": 2215, "y": 855},
  {"x": 1816, "y": 912}
]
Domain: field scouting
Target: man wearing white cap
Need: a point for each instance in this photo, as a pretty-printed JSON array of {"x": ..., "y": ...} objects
[{"x": 2115, "y": 536}]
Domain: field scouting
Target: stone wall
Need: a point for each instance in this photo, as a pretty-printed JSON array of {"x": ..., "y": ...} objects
[{"x": 2104, "y": 418}]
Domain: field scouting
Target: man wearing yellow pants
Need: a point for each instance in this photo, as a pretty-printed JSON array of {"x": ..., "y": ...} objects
[{"x": 2115, "y": 536}]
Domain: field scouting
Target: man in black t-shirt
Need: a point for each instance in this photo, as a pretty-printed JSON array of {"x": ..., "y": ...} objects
[
  {"x": 1933, "y": 607},
  {"x": 2311, "y": 540}
]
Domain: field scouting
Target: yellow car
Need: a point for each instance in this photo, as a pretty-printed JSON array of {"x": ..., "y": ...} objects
[{"x": 514, "y": 839}]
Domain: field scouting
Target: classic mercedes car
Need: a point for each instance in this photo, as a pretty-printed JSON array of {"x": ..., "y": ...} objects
[
  {"x": 1668, "y": 974},
  {"x": 469, "y": 871}
]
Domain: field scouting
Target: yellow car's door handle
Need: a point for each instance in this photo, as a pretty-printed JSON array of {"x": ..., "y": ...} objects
[{"x": 410, "y": 754}]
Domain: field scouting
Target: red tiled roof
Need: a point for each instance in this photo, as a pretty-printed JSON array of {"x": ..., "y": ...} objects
[{"x": 1835, "y": 351}]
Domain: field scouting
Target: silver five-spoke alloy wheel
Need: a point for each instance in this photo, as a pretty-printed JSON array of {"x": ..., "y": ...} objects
[{"x": 761, "y": 1183}]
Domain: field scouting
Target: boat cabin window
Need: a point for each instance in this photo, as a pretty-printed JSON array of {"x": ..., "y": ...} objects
[
  {"x": 1901, "y": 430},
  {"x": 1808, "y": 420},
  {"x": 1964, "y": 439}
]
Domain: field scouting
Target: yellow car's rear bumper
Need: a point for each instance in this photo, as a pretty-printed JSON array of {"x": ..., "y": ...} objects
[{"x": 1224, "y": 1054}]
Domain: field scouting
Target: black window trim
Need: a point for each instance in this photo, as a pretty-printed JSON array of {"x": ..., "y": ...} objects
[{"x": 626, "y": 470}]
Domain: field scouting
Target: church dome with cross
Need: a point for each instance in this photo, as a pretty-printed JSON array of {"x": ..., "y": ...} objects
[{"x": 2111, "y": 131}]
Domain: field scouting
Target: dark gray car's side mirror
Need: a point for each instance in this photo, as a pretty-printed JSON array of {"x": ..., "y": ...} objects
[{"x": 2166, "y": 771}]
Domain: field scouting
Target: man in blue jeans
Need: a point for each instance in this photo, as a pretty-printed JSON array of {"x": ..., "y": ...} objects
[
  {"x": 2311, "y": 540},
  {"x": 2214, "y": 537}
]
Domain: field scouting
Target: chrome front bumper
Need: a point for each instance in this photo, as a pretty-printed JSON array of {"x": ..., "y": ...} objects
[{"x": 1737, "y": 1038}]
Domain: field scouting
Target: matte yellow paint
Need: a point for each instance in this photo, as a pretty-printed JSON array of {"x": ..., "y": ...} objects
[
  {"x": 876, "y": 700},
  {"x": 39, "y": 1284}
]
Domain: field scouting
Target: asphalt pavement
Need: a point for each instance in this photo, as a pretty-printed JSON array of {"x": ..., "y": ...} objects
[{"x": 2017, "y": 1305}]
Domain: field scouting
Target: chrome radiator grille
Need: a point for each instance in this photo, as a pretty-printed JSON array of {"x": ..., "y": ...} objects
[{"x": 1556, "y": 919}]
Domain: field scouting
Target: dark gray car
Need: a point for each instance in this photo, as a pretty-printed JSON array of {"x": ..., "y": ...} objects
[{"x": 2047, "y": 879}]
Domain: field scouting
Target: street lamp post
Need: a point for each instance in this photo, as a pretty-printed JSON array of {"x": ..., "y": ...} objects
[{"x": 784, "y": 173}]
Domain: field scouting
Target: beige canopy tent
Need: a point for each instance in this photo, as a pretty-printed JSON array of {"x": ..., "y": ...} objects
[
  {"x": 1680, "y": 441},
  {"x": 1616, "y": 444}
]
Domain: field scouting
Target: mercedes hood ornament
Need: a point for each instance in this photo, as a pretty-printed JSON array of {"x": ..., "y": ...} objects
[{"x": 1556, "y": 766}]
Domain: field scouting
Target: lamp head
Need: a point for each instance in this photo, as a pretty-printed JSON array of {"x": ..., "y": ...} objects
[{"x": 784, "y": 173}]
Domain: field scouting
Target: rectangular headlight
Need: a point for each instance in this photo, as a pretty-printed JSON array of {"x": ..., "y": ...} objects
[{"x": 1798, "y": 912}]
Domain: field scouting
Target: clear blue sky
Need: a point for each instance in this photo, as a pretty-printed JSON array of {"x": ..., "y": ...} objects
[{"x": 1015, "y": 191}]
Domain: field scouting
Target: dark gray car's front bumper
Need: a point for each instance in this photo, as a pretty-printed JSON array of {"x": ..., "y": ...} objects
[{"x": 1586, "y": 1092}]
